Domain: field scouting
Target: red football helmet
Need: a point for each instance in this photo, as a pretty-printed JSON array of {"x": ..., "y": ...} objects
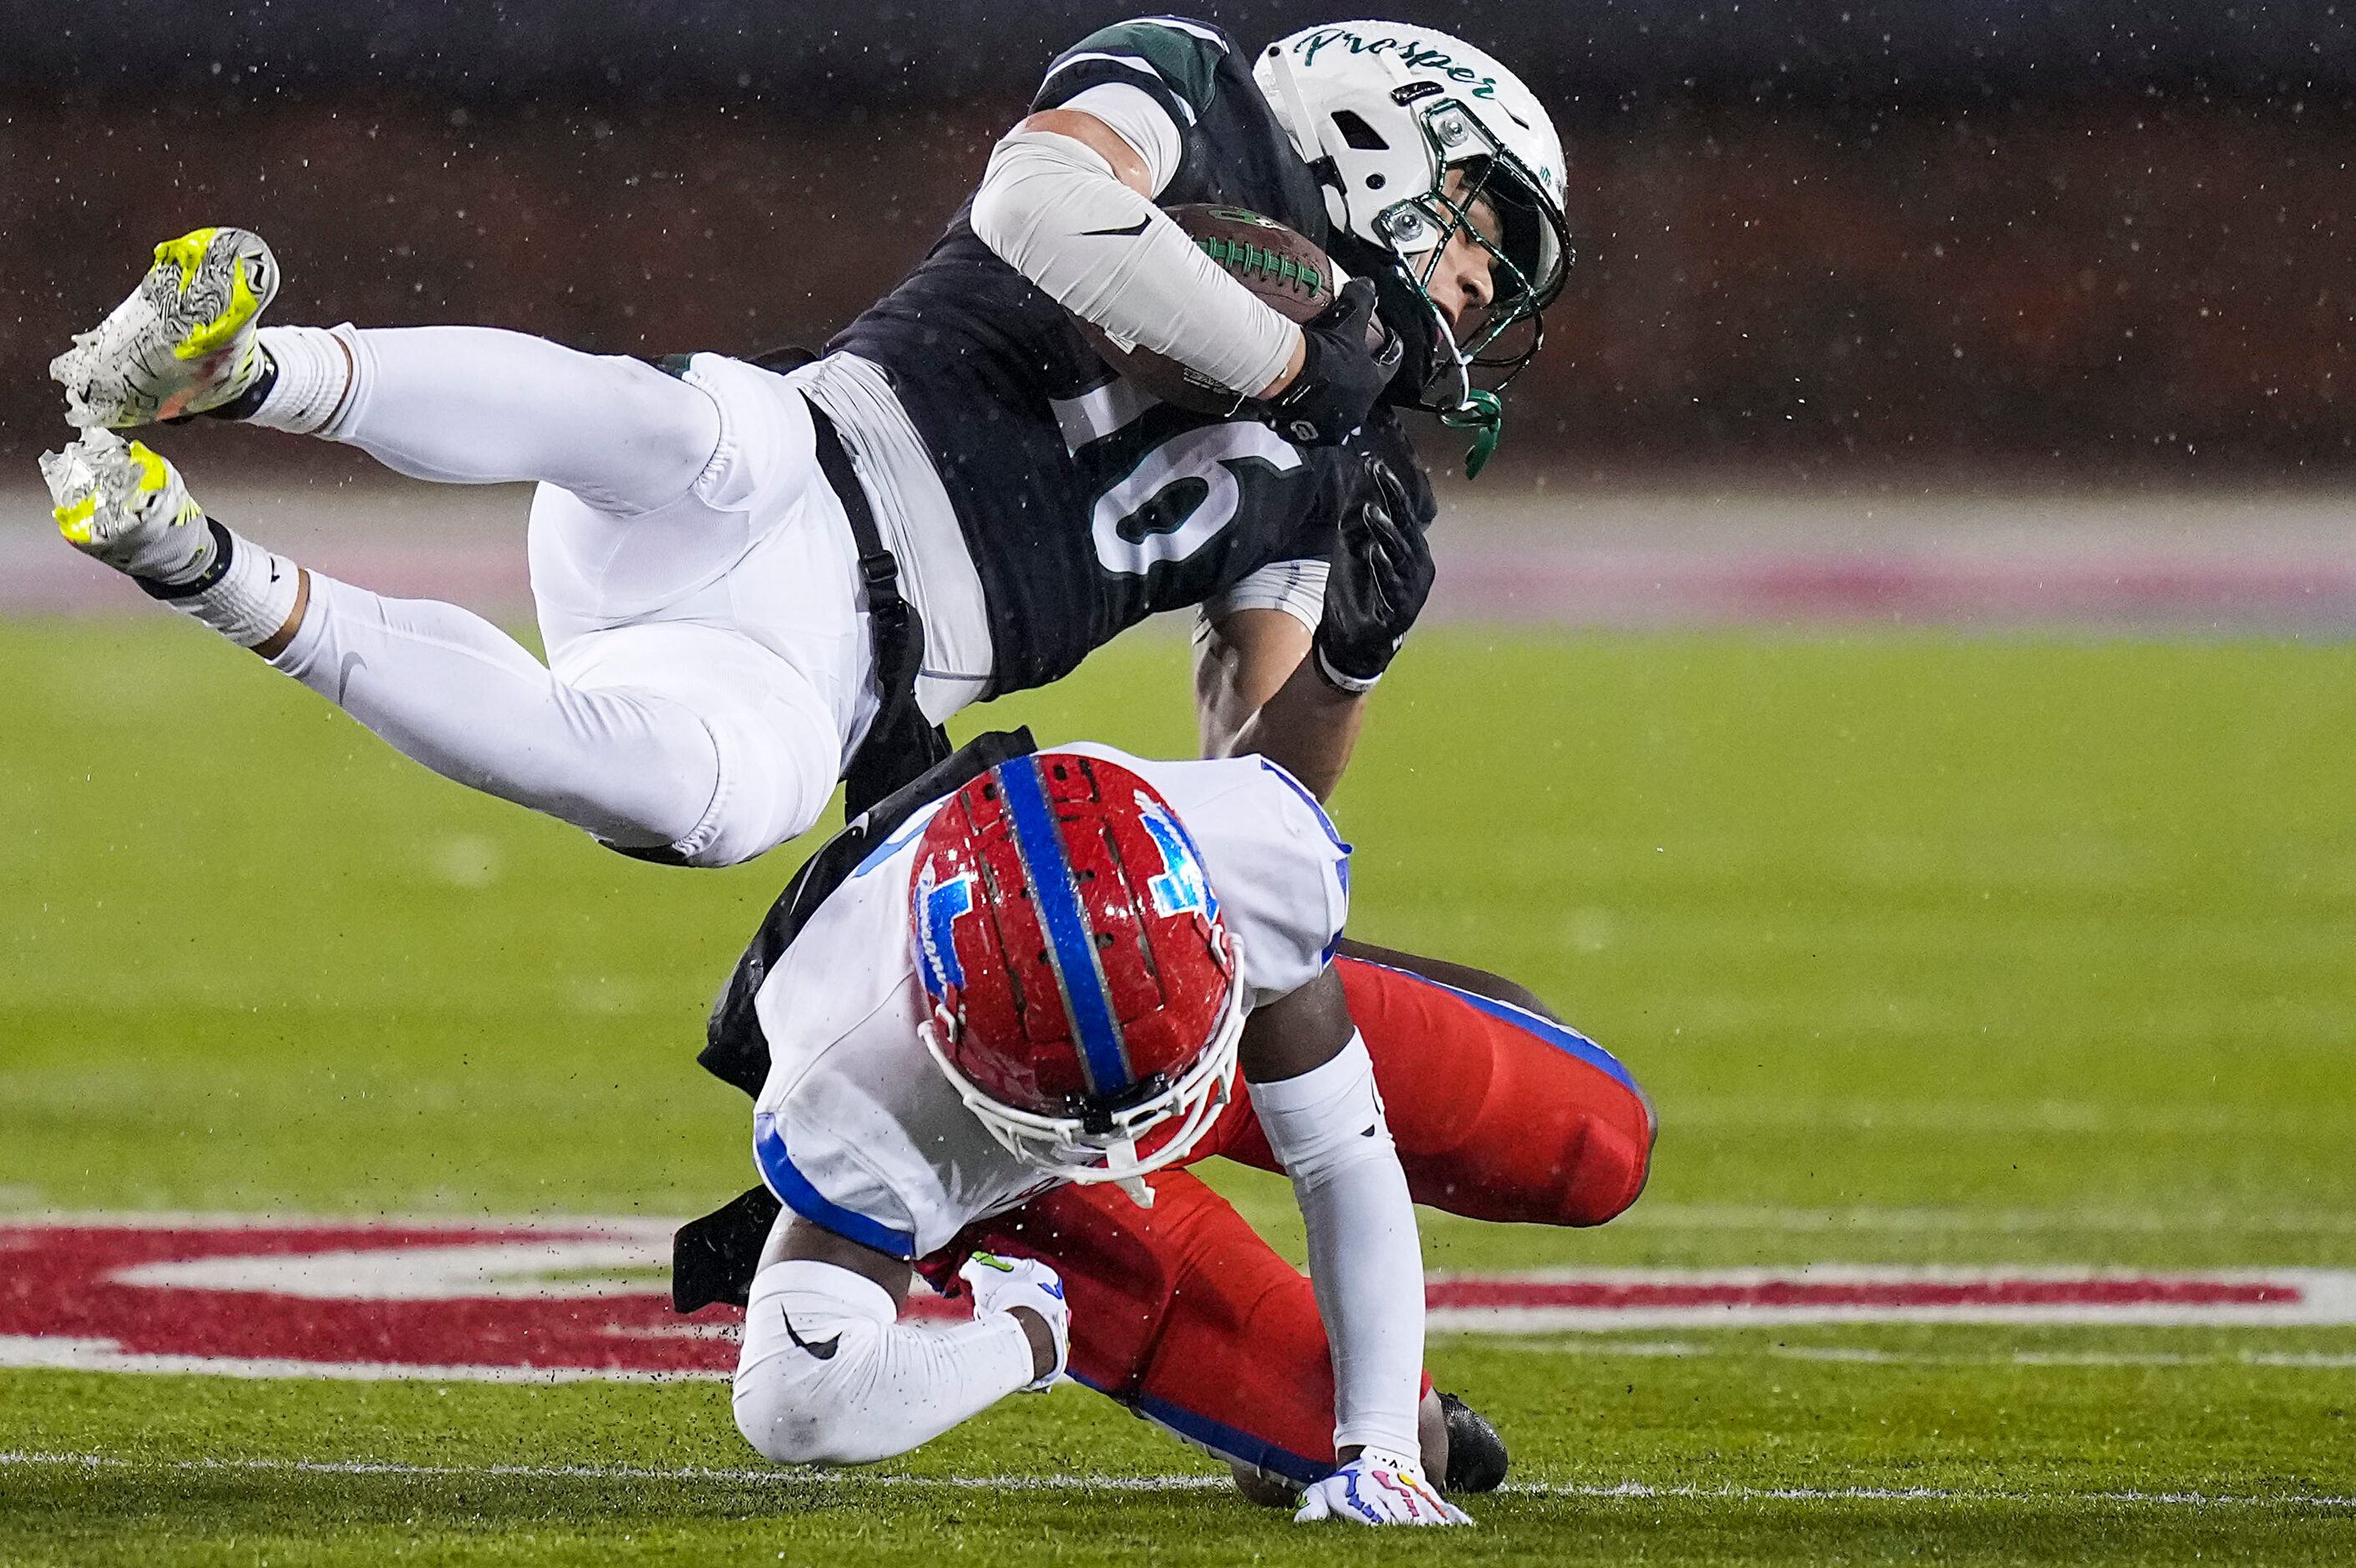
[{"x": 1085, "y": 992}]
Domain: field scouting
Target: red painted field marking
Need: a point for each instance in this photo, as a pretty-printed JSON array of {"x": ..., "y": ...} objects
[
  {"x": 528, "y": 1300},
  {"x": 1556, "y": 1301}
]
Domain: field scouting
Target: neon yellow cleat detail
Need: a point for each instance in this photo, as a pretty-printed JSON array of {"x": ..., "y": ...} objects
[
  {"x": 124, "y": 505},
  {"x": 189, "y": 254},
  {"x": 182, "y": 343},
  {"x": 74, "y": 519}
]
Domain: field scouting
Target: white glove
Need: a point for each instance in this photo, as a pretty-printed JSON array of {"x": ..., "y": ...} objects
[
  {"x": 1376, "y": 1488},
  {"x": 999, "y": 1285}
]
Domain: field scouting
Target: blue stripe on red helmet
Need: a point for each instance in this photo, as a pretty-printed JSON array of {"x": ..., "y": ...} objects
[{"x": 1057, "y": 896}]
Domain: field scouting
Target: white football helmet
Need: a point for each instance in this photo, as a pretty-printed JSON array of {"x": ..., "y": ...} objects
[{"x": 1383, "y": 111}]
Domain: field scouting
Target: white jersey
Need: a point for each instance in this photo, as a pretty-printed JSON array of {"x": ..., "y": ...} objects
[{"x": 857, "y": 1130}]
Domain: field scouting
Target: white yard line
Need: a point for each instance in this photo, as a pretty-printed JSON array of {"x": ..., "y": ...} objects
[
  {"x": 763, "y": 1476},
  {"x": 1070, "y": 1483},
  {"x": 1861, "y": 1355}
]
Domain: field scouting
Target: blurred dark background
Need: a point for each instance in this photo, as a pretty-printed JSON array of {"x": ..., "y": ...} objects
[{"x": 2096, "y": 240}]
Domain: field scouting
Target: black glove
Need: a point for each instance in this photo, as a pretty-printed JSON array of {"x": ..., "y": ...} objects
[
  {"x": 1341, "y": 378},
  {"x": 1380, "y": 576}
]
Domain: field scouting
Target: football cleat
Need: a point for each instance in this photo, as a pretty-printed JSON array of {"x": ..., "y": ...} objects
[
  {"x": 123, "y": 505},
  {"x": 1264, "y": 1489},
  {"x": 182, "y": 343},
  {"x": 1476, "y": 1461},
  {"x": 1476, "y": 1454}
]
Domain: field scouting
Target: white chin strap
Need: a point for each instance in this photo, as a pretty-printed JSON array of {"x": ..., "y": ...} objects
[{"x": 1125, "y": 1152}]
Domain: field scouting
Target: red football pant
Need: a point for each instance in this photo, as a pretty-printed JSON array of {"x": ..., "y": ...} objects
[{"x": 1184, "y": 1315}]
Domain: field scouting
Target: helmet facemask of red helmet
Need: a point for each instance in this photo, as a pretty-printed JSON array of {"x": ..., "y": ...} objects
[{"x": 1086, "y": 1000}]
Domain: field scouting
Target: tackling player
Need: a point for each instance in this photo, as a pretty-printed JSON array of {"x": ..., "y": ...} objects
[
  {"x": 751, "y": 583},
  {"x": 1034, "y": 983},
  {"x": 1083, "y": 943}
]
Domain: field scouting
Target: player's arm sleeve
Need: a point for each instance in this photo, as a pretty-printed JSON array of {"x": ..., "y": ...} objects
[
  {"x": 1326, "y": 1127},
  {"x": 1281, "y": 875},
  {"x": 1052, "y": 207}
]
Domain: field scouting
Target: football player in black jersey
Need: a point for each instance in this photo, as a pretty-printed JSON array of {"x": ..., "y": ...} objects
[{"x": 753, "y": 579}]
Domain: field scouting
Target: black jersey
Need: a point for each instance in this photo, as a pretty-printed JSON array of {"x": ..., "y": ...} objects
[{"x": 1087, "y": 505}]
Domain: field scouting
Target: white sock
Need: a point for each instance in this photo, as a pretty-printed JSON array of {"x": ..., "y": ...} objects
[
  {"x": 319, "y": 373},
  {"x": 241, "y": 590}
]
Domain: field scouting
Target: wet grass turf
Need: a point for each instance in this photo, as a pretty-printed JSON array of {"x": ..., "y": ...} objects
[
  {"x": 1928, "y": 948},
  {"x": 2018, "y": 1466}
]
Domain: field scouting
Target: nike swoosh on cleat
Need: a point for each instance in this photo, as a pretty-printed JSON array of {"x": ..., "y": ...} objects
[
  {"x": 344, "y": 675},
  {"x": 823, "y": 1350},
  {"x": 1134, "y": 229}
]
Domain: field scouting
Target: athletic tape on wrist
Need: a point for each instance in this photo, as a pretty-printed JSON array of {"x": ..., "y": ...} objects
[{"x": 1348, "y": 685}]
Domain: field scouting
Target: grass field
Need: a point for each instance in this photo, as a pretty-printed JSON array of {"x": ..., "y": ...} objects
[{"x": 1929, "y": 949}]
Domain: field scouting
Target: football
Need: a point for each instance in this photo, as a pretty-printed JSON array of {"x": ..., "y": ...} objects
[{"x": 1282, "y": 267}]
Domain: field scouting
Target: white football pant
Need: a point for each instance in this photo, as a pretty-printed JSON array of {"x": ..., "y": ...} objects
[{"x": 696, "y": 579}]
